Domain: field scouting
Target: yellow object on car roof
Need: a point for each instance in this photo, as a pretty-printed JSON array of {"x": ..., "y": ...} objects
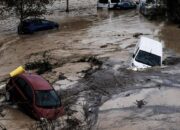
[{"x": 17, "y": 71}]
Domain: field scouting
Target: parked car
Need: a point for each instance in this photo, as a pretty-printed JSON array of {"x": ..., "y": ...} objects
[
  {"x": 116, "y": 4},
  {"x": 147, "y": 9},
  {"x": 30, "y": 26},
  {"x": 35, "y": 96},
  {"x": 148, "y": 53},
  {"x": 107, "y": 3},
  {"x": 125, "y": 4}
]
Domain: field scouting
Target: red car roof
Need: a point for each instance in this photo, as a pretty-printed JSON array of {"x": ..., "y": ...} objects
[{"x": 36, "y": 81}]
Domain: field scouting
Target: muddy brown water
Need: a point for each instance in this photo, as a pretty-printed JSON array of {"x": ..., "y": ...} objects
[
  {"x": 170, "y": 35},
  {"x": 107, "y": 35}
]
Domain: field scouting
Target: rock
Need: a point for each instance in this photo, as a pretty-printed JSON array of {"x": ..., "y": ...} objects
[
  {"x": 62, "y": 77},
  {"x": 103, "y": 46}
]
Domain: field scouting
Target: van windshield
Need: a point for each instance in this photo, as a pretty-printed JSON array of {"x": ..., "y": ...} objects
[
  {"x": 148, "y": 58},
  {"x": 47, "y": 99}
]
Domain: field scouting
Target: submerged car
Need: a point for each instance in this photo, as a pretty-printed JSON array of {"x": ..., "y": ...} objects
[
  {"x": 107, "y": 3},
  {"x": 125, "y": 4},
  {"x": 147, "y": 9},
  {"x": 35, "y": 96},
  {"x": 30, "y": 26},
  {"x": 148, "y": 53},
  {"x": 116, "y": 4}
]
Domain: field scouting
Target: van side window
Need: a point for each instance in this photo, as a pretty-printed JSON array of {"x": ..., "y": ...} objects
[{"x": 25, "y": 88}]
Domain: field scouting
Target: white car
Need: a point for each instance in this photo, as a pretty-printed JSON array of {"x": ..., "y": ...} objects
[{"x": 148, "y": 53}]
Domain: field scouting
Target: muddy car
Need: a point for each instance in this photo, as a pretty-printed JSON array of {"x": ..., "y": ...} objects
[
  {"x": 35, "y": 96},
  {"x": 125, "y": 4},
  {"x": 30, "y": 26},
  {"x": 116, "y": 4},
  {"x": 148, "y": 53}
]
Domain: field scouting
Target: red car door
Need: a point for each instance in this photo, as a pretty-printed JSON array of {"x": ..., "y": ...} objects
[{"x": 25, "y": 94}]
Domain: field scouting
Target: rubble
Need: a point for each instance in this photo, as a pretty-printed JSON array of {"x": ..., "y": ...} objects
[
  {"x": 39, "y": 66},
  {"x": 140, "y": 103}
]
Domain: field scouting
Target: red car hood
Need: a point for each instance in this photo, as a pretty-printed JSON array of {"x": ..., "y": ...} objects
[{"x": 50, "y": 114}]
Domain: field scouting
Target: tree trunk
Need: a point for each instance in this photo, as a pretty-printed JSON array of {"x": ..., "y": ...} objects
[
  {"x": 67, "y": 5},
  {"x": 22, "y": 10}
]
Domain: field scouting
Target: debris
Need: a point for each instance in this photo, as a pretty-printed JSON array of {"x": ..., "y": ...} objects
[
  {"x": 2, "y": 127},
  {"x": 40, "y": 66},
  {"x": 62, "y": 77},
  {"x": 127, "y": 95},
  {"x": 171, "y": 61},
  {"x": 137, "y": 35},
  {"x": 2, "y": 114},
  {"x": 140, "y": 103},
  {"x": 92, "y": 59},
  {"x": 45, "y": 124},
  {"x": 103, "y": 46},
  {"x": 73, "y": 123}
]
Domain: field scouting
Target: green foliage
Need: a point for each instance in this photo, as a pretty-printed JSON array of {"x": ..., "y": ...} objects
[
  {"x": 26, "y": 8},
  {"x": 40, "y": 66}
]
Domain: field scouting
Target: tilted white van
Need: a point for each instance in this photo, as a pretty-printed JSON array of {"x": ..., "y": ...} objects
[{"x": 148, "y": 53}]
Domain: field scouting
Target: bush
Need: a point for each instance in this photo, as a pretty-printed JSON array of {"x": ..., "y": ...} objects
[{"x": 40, "y": 66}]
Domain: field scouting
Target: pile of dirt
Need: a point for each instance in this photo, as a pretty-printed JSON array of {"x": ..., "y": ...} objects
[{"x": 40, "y": 67}]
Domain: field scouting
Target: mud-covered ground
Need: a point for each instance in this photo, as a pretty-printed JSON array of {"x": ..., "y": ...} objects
[{"x": 88, "y": 61}]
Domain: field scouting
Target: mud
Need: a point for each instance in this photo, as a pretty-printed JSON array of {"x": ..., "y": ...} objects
[
  {"x": 156, "y": 114},
  {"x": 89, "y": 57},
  {"x": 169, "y": 34}
]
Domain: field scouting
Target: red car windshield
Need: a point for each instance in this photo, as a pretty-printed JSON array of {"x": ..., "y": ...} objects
[{"x": 47, "y": 99}]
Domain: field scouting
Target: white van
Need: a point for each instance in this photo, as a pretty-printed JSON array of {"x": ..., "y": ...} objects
[
  {"x": 148, "y": 53},
  {"x": 107, "y": 3}
]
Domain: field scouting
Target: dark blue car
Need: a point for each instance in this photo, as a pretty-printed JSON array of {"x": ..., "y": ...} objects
[
  {"x": 30, "y": 26},
  {"x": 125, "y": 4}
]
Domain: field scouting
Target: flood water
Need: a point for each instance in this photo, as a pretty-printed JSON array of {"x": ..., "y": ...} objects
[
  {"x": 170, "y": 35},
  {"x": 108, "y": 35}
]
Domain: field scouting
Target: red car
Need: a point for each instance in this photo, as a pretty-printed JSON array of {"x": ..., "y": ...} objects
[{"x": 35, "y": 95}]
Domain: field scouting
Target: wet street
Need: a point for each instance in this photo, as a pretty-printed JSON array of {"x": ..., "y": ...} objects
[{"x": 90, "y": 57}]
